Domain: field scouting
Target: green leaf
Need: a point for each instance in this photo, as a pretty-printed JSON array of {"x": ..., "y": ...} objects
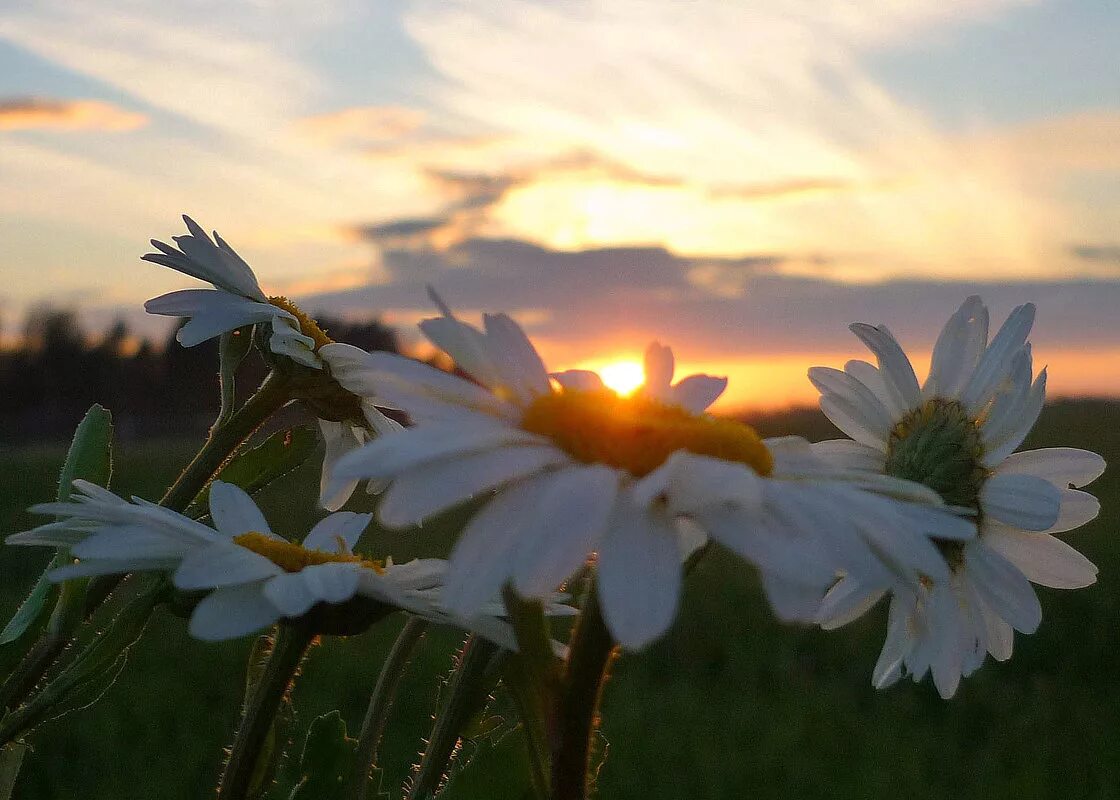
[
  {"x": 254, "y": 469},
  {"x": 91, "y": 458},
  {"x": 327, "y": 753},
  {"x": 11, "y": 758},
  {"x": 91, "y": 452},
  {"x": 30, "y": 610}
]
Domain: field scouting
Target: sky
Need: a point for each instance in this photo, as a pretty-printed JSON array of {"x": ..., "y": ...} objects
[{"x": 739, "y": 180}]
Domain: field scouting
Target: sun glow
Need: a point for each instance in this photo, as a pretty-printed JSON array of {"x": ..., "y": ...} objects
[{"x": 622, "y": 377}]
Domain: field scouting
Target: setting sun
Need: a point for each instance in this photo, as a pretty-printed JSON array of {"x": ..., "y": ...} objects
[{"x": 623, "y": 377}]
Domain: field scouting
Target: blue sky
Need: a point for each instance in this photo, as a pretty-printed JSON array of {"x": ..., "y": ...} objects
[{"x": 741, "y": 178}]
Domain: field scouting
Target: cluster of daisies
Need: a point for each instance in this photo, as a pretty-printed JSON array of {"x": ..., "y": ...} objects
[{"x": 927, "y": 506}]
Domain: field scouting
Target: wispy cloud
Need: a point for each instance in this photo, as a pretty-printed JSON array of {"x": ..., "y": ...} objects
[
  {"x": 41, "y": 113},
  {"x": 362, "y": 126}
]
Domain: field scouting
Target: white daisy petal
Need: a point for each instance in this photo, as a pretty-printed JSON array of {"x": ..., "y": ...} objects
[
  {"x": 130, "y": 541},
  {"x": 996, "y": 360},
  {"x": 1078, "y": 508},
  {"x": 791, "y": 601},
  {"x": 954, "y": 354},
  {"x": 338, "y": 532},
  {"x": 1042, "y": 558},
  {"x": 234, "y": 511},
  {"x": 898, "y": 375},
  {"x": 231, "y": 613},
  {"x": 845, "y": 602},
  {"x": 466, "y": 346},
  {"x": 222, "y": 564},
  {"x": 696, "y": 392},
  {"x": 290, "y": 594},
  {"x": 854, "y": 421},
  {"x": 839, "y": 384},
  {"x": 1022, "y": 501},
  {"x": 849, "y": 455},
  {"x": 1062, "y": 466},
  {"x": 948, "y": 658},
  {"x": 571, "y": 518},
  {"x": 389, "y": 455},
  {"x": 339, "y": 438},
  {"x": 521, "y": 365},
  {"x": 331, "y": 582},
  {"x": 659, "y": 367},
  {"x": 482, "y": 559},
  {"x": 423, "y": 491},
  {"x": 1025, "y": 418},
  {"x": 639, "y": 576},
  {"x": 888, "y": 669},
  {"x": 580, "y": 380},
  {"x": 1004, "y": 588}
]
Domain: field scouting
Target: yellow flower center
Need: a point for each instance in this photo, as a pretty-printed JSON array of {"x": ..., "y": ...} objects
[
  {"x": 291, "y": 557},
  {"x": 307, "y": 325},
  {"x": 638, "y": 434}
]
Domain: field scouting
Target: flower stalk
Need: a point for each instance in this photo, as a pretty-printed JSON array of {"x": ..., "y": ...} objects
[
  {"x": 591, "y": 651},
  {"x": 289, "y": 647},
  {"x": 380, "y": 703}
]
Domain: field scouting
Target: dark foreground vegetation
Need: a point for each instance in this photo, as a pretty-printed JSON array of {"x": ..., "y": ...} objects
[{"x": 730, "y": 704}]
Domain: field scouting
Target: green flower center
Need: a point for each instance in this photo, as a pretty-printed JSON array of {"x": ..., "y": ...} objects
[{"x": 939, "y": 445}]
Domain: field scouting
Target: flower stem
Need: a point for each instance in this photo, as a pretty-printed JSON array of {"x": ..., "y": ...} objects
[
  {"x": 377, "y": 715},
  {"x": 224, "y": 440},
  {"x": 260, "y": 709},
  {"x": 590, "y": 655},
  {"x": 467, "y": 690}
]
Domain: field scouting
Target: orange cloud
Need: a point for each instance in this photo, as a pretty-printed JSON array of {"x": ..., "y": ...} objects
[
  {"x": 37, "y": 113},
  {"x": 363, "y": 124}
]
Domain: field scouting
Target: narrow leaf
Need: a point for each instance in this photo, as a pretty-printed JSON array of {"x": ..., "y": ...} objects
[
  {"x": 91, "y": 458},
  {"x": 255, "y": 468},
  {"x": 11, "y": 758}
]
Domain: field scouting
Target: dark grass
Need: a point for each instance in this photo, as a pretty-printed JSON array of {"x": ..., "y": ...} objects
[{"x": 730, "y": 704}]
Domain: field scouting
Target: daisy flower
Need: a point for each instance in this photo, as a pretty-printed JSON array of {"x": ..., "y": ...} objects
[
  {"x": 253, "y": 578},
  {"x": 346, "y": 422},
  {"x": 235, "y": 301},
  {"x": 572, "y": 469},
  {"x": 957, "y": 434}
]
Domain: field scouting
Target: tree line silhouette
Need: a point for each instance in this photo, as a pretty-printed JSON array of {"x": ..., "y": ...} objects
[{"x": 57, "y": 372}]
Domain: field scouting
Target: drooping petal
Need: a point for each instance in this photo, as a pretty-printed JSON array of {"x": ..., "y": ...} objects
[
  {"x": 482, "y": 559},
  {"x": 339, "y": 438},
  {"x": 231, "y": 613},
  {"x": 571, "y": 518},
  {"x": 1004, "y": 588},
  {"x": 840, "y": 384},
  {"x": 639, "y": 575}
]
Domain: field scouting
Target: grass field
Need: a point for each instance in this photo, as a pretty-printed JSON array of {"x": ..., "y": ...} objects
[{"x": 730, "y": 704}]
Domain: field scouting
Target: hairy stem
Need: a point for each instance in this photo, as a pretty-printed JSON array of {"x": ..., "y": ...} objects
[
  {"x": 380, "y": 702},
  {"x": 260, "y": 709},
  {"x": 465, "y": 695},
  {"x": 590, "y": 654}
]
